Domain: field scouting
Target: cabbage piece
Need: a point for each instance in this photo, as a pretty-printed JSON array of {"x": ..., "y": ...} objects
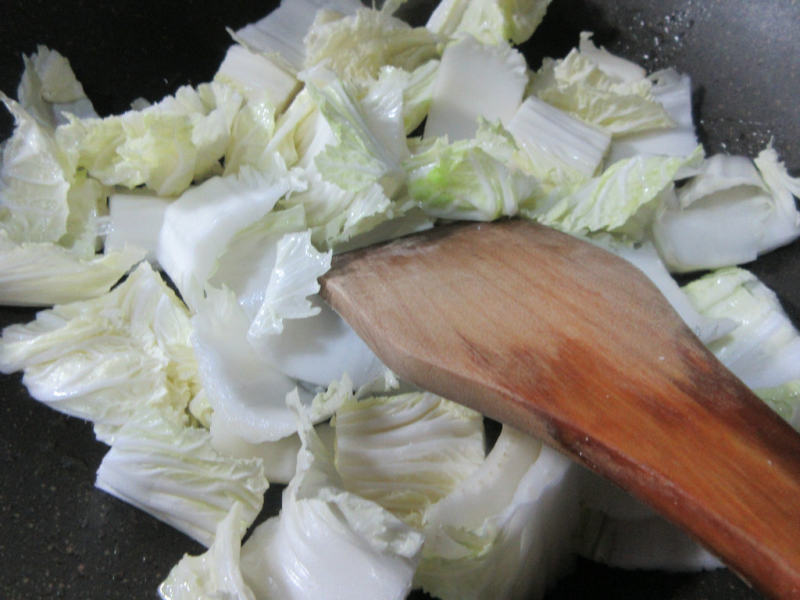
[
  {"x": 506, "y": 530},
  {"x": 159, "y": 465},
  {"x": 475, "y": 81},
  {"x": 785, "y": 400},
  {"x": 216, "y": 573},
  {"x": 43, "y": 274},
  {"x": 408, "y": 451},
  {"x": 417, "y": 89},
  {"x": 135, "y": 220},
  {"x": 251, "y": 133},
  {"x": 282, "y": 31},
  {"x": 764, "y": 348},
  {"x": 103, "y": 359},
  {"x": 621, "y": 200},
  {"x": 784, "y": 223},
  {"x": 673, "y": 91},
  {"x": 293, "y": 279},
  {"x": 719, "y": 218},
  {"x": 164, "y": 146},
  {"x": 561, "y": 149},
  {"x": 600, "y": 89},
  {"x": 470, "y": 179},
  {"x": 48, "y": 88},
  {"x": 357, "y": 46},
  {"x": 246, "y": 392},
  {"x": 326, "y": 539},
  {"x": 200, "y": 224},
  {"x": 35, "y": 177},
  {"x": 257, "y": 77},
  {"x": 490, "y": 21},
  {"x": 645, "y": 257},
  {"x": 358, "y": 154}
]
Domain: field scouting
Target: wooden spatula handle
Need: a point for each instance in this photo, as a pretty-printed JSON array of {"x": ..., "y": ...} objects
[{"x": 573, "y": 345}]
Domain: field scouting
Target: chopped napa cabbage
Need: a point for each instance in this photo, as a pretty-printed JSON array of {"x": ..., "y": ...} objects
[
  {"x": 723, "y": 216},
  {"x": 470, "y": 179},
  {"x": 135, "y": 220},
  {"x": 282, "y": 31},
  {"x": 257, "y": 77},
  {"x": 216, "y": 573},
  {"x": 475, "y": 81},
  {"x": 784, "y": 224},
  {"x": 199, "y": 226},
  {"x": 621, "y": 200},
  {"x": 251, "y": 132},
  {"x": 35, "y": 178},
  {"x": 785, "y": 400},
  {"x": 673, "y": 91},
  {"x": 506, "y": 530},
  {"x": 614, "y": 100},
  {"x": 561, "y": 149},
  {"x": 43, "y": 274},
  {"x": 645, "y": 257},
  {"x": 164, "y": 146},
  {"x": 406, "y": 452},
  {"x": 763, "y": 350},
  {"x": 245, "y": 391},
  {"x": 48, "y": 88},
  {"x": 490, "y": 21},
  {"x": 292, "y": 280},
  {"x": 417, "y": 90},
  {"x": 357, "y": 46},
  {"x": 103, "y": 359},
  {"x": 159, "y": 465},
  {"x": 356, "y": 156},
  {"x": 327, "y": 542}
]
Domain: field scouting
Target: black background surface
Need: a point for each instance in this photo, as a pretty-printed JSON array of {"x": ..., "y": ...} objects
[{"x": 61, "y": 538}]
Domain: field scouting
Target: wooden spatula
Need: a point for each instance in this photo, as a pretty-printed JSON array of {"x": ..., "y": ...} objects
[{"x": 563, "y": 340}]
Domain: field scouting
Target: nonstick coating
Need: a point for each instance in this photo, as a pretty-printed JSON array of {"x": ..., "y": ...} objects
[{"x": 61, "y": 538}]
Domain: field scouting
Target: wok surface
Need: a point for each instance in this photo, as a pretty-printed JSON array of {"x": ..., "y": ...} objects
[{"x": 60, "y": 537}]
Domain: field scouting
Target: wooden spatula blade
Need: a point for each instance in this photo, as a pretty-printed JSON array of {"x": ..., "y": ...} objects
[{"x": 563, "y": 340}]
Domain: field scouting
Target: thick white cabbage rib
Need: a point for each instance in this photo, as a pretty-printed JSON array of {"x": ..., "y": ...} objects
[
  {"x": 328, "y": 542},
  {"x": 514, "y": 515},
  {"x": 475, "y": 81},
  {"x": 561, "y": 149},
  {"x": 172, "y": 472},
  {"x": 257, "y": 77},
  {"x": 103, "y": 359},
  {"x": 406, "y": 452},
  {"x": 282, "y": 31},
  {"x": 200, "y": 224},
  {"x": 135, "y": 220}
]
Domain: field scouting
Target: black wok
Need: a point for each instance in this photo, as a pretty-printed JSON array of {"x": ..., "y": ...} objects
[{"x": 61, "y": 538}]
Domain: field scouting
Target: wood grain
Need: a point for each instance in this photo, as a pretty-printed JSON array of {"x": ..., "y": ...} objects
[{"x": 567, "y": 342}]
